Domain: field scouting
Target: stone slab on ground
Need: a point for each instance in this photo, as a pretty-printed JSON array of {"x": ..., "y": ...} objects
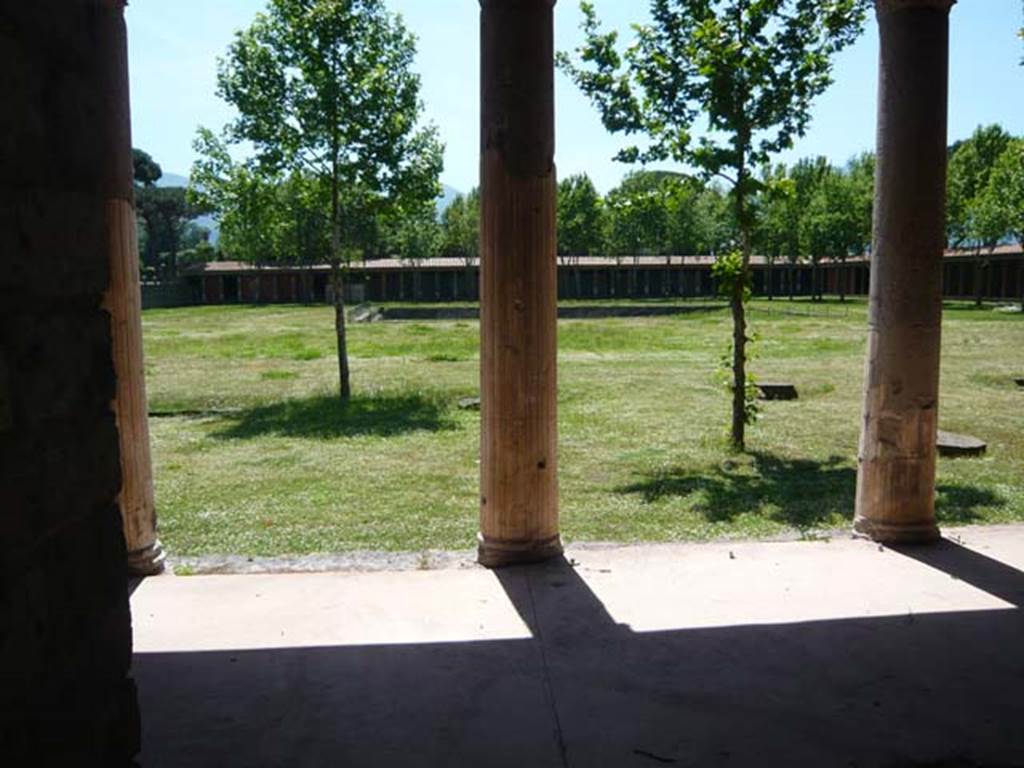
[
  {"x": 741, "y": 654},
  {"x": 366, "y": 313},
  {"x": 469, "y": 403},
  {"x": 777, "y": 391},
  {"x": 951, "y": 444}
]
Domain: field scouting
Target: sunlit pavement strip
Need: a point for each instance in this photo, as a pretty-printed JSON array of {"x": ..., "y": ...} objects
[
  {"x": 811, "y": 654},
  {"x": 648, "y": 588}
]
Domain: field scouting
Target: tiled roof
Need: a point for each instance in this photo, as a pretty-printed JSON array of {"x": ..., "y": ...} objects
[{"x": 592, "y": 262}]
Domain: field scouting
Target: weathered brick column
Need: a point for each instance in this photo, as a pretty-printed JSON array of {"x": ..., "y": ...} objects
[
  {"x": 896, "y": 476},
  {"x": 123, "y": 301},
  {"x": 518, "y": 284}
]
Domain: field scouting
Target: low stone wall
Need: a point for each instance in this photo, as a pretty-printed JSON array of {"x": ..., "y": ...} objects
[
  {"x": 594, "y": 311},
  {"x": 179, "y": 293}
]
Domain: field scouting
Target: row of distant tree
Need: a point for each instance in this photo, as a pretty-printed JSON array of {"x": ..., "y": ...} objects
[{"x": 804, "y": 212}]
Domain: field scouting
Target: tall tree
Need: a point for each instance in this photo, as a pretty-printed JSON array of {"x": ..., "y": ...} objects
[
  {"x": 460, "y": 222},
  {"x": 685, "y": 229},
  {"x": 146, "y": 170},
  {"x": 753, "y": 67},
  {"x": 861, "y": 172},
  {"x": 580, "y": 214},
  {"x": 460, "y": 225},
  {"x": 967, "y": 222},
  {"x": 1002, "y": 202},
  {"x": 414, "y": 235},
  {"x": 165, "y": 215},
  {"x": 776, "y": 234},
  {"x": 715, "y": 220},
  {"x": 326, "y": 87},
  {"x": 637, "y": 220},
  {"x": 831, "y": 225},
  {"x": 579, "y": 217}
]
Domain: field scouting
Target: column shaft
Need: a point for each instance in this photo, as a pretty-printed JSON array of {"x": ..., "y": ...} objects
[
  {"x": 518, "y": 285},
  {"x": 896, "y": 477},
  {"x": 123, "y": 301}
]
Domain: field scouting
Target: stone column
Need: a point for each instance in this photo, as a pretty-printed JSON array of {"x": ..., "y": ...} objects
[
  {"x": 518, "y": 284},
  {"x": 123, "y": 302},
  {"x": 896, "y": 475}
]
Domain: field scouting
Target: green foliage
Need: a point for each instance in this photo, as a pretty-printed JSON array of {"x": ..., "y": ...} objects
[
  {"x": 714, "y": 220},
  {"x": 969, "y": 224},
  {"x": 777, "y": 232},
  {"x": 1003, "y": 197},
  {"x": 265, "y": 216},
  {"x": 753, "y": 68},
  {"x": 813, "y": 210},
  {"x": 415, "y": 234},
  {"x": 147, "y": 171},
  {"x": 166, "y": 230},
  {"x": 460, "y": 223},
  {"x": 581, "y": 219},
  {"x": 729, "y": 273},
  {"x": 165, "y": 214},
  {"x": 637, "y": 214},
  {"x": 658, "y": 212},
  {"x": 832, "y": 224}
]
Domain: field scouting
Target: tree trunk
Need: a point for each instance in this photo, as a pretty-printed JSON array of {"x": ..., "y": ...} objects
[
  {"x": 739, "y": 366},
  {"x": 338, "y": 288},
  {"x": 771, "y": 288},
  {"x": 841, "y": 279},
  {"x": 789, "y": 279},
  {"x": 337, "y": 284},
  {"x": 739, "y": 327}
]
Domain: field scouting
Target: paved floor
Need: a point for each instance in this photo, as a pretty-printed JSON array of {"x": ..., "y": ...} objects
[{"x": 748, "y": 654}]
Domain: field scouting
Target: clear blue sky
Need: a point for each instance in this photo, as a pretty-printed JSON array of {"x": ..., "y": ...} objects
[{"x": 174, "y": 47}]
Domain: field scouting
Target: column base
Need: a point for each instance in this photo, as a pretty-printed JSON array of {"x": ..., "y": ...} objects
[
  {"x": 148, "y": 561},
  {"x": 897, "y": 533},
  {"x": 496, "y": 553}
]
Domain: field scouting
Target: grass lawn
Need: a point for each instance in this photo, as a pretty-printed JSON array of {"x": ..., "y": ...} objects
[{"x": 254, "y": 456}]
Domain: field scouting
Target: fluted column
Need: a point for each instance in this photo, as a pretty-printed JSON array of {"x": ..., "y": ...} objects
[
  {"x": 518, "y": 284},
  {"x": 123, "y": 302},
  {"x": 896, "y": 474}
]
